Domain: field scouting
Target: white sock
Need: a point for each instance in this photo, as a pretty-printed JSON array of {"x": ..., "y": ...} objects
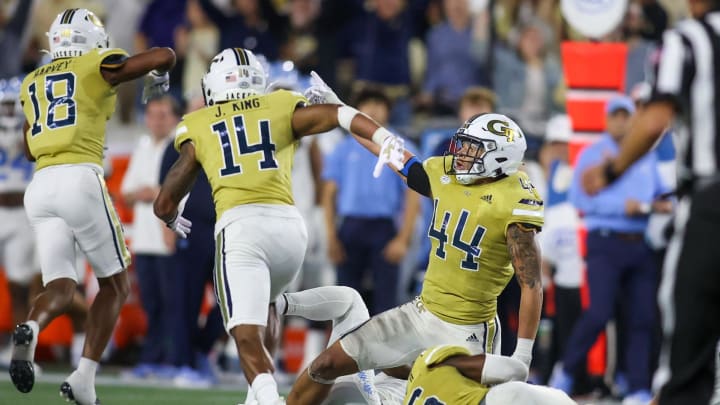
[
  {"x": 250, "y": 397},
  {"x": 88, "y": 368},
  {"x": 76, "y": 349},
  {"x": 265, "y": 389}
]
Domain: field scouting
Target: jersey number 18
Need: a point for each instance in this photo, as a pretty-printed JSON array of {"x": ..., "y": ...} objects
[{"x": 55, "y": 100}]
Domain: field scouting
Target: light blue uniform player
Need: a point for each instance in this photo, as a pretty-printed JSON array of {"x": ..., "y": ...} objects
[{"x": 16, "y": 235}]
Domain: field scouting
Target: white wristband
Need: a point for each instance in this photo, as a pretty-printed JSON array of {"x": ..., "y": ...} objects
[
  {"x": 345, "y": 116},
  {"x": 380, "y": 135},
  {"x": 524, "y": 347}
]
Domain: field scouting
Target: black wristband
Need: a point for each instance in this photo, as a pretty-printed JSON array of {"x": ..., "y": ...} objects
[
  {"x": 170, "y": 222},
  {"x": 610, "y": 174}
]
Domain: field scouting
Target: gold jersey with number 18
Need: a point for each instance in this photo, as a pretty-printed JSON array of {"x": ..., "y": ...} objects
[
  {"x": 67, "y": 103},
  {"x": 246, "y": 148}
]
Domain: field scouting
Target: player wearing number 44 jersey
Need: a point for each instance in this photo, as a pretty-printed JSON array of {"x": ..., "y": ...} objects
[
  {"x": 245, "y": 140},
  {"x": 486, "y": 214},
  {"x": 66, "y": 104}
]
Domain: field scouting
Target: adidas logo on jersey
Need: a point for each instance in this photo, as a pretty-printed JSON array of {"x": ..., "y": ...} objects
[
  {"x": 487, "y": 198},
  {"x": 473, "y": 339}
]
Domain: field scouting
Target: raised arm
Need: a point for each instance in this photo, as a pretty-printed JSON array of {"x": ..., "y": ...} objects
[
  {"x": 525, "y": 257},
  {"x": 116, "y": 70}
]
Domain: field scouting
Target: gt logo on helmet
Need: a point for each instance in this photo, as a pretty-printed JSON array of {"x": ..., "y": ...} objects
[{"x": 503, "y": 130}]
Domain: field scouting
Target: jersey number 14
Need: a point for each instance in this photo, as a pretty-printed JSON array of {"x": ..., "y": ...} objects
[{"x": 266, "y": 146}]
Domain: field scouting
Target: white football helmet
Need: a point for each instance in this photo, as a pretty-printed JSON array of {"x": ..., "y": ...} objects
[
  {"x": 486, "y": 146},
  {"x": 234, "y": 73},
  {"x": 75, "y": 32}
]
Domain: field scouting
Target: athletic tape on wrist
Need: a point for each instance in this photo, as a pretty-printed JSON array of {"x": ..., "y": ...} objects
[
  {"x": 380, "y": 135},
  {"x": 345, "y": 116}
]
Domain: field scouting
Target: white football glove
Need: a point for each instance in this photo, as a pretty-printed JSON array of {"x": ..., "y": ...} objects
[
  {"x": 319, "y": 92},
  {"x": 392, "y": 152},
  {"x": 180, "y": 225},
  {"x": 156, "y": 83}
]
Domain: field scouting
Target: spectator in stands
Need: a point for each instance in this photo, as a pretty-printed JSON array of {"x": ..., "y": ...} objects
[
  {"x": 383, "y": 34},
  {"x": 452, "y": 66},
  {"x": 13, "y": 40},
  {"x": 197, "y": 42},
  {"x": 157, "y": 28},
  {"x": 620, "y": 265},
  {"x": 656, "y": 20},
  {"x": 253, "y": 25},
  {"x": 361, "y": 213},
  {"x": 139, "y": 188},
  {"x": 527, "y": 80},
  {"x": 639, "y": 48},
  {"x": 120, "y": 23},
  {"x": 192, "y": 264},
  {"x": 302, "y": 44}
]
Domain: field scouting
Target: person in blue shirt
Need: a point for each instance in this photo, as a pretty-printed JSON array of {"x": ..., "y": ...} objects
[
  {"x": 618, "y": 257},
  {"x": 362, "y": 213}
]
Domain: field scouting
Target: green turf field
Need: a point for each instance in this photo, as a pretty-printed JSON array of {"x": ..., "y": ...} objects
[{"x": 46, "y": 393}]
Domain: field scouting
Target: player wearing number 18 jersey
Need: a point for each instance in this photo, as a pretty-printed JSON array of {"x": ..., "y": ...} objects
[{"x": 66, "y": 104}]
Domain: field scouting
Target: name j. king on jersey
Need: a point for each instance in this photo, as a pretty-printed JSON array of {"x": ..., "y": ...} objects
[{"x": 240, "y": 105}]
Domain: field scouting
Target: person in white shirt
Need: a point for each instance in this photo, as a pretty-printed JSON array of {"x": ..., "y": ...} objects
[{"x": 139, "y": 188}]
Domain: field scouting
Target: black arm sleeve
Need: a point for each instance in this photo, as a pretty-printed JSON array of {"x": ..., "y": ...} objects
[{"x": 417, "y": 179}]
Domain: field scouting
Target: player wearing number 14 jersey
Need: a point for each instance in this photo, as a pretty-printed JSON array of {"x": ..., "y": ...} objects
[
  {"x": 66, "y": 104},
  {"x": 244, "y": 140}
]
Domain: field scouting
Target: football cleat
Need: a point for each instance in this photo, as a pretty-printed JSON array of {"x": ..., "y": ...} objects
[{"x": 22, "y": 370}]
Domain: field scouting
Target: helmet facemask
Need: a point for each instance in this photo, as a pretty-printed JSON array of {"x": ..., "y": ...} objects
[
  {"x": 468, "y": 157},
  {"x": 487, "y": 146}
]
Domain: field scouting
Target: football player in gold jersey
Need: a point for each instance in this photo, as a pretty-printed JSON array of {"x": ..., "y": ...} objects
[
  {"x": 449, "y": 374},
  {"x": 66, "y": 104},
  {"x": 245, "y": 140},
  {"x": 486, "y": 215}
]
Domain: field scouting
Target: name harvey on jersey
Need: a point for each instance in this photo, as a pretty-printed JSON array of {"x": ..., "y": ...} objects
[
  {"x": 53, "y": 67},
  {"x": 240, "y": 105}
]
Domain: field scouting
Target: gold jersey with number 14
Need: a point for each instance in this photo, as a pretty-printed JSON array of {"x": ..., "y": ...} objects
[
  {"x": 67, "y": 103},
  {"x": 246, "y": 148}
]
